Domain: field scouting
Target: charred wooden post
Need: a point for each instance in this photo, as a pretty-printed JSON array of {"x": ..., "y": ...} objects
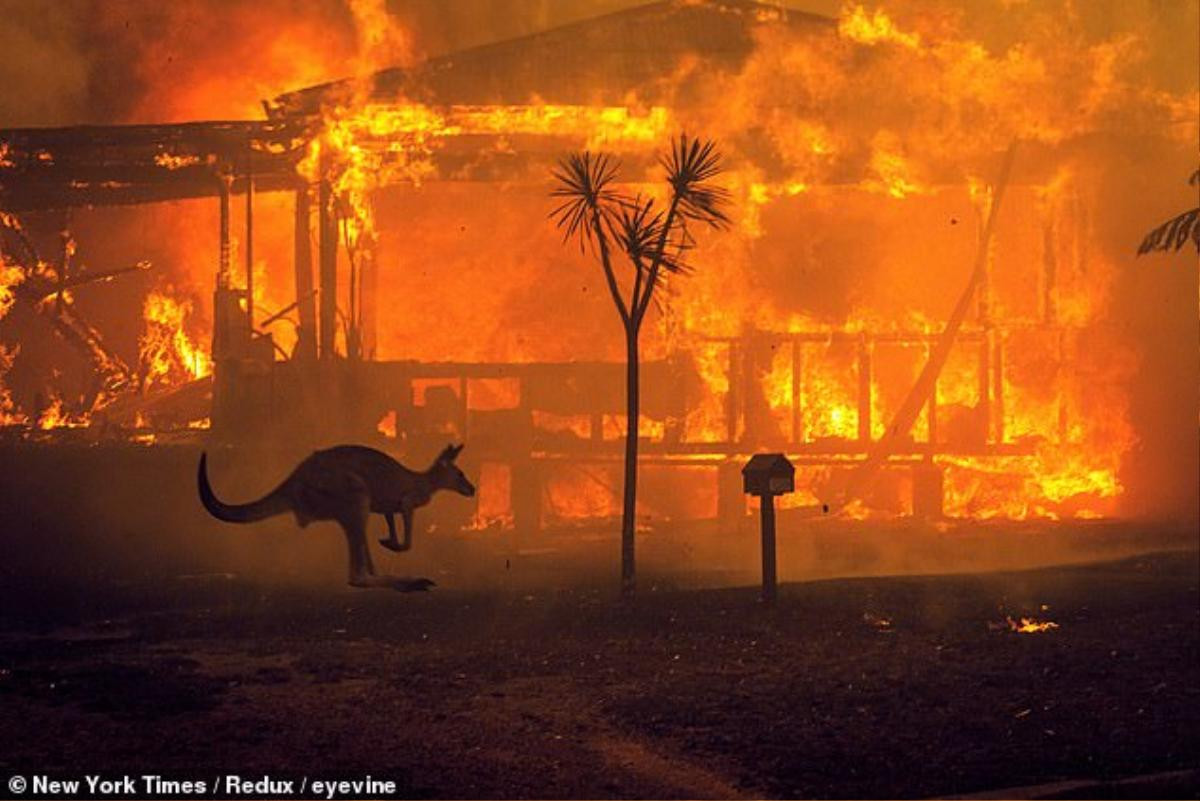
[
  {"x": 997, "y": 338},
  {"x": 864, "y": 389},
  {"x": 1049, "y": 273},
  {"x": 733, "y": 399},
  {"x": 224, "y": 267},
  {"x": 765, "y": 476},
  {"x": 368, "y": 305},
  {"x": 327, "y": 243},
  {"x": 225, "y": 308},
  {"x": 931, "y": 410},
  {"x": 797, "y": 396},
  {"x": 306, "y": 336},
  {"x": 984, "y": 411},
  {"x": 250, "y": 243}
]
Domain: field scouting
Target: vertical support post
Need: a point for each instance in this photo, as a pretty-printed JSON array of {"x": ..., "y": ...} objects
[
  {"x": 864, "y": 389},
  {"x": 931, "y": 409},
  {"x": 1059, "y": 379},
  {"x": 998, "y": 387},
  {"x": 327, "y": 244},
  {"x": 250, "y": 243},
  {"x": 368, "y": 279},
  {"x": 751, "y": 391},
  {"x": 985, "y": 353},
  {"x": 221, "y": 301},
  {"x": 464, "y": 409},
  {"x": 797, "y": 390},
  {"x": 767, "y": 507},
  {"x": 306, "y": 345},
  {"x": 221, "y": 345},
  {"x": 1049, "y": 275},
  {"x": 733, "y": 397},
  {"x": 224, "y": 266},
  {"x": 985, "y": 386}
]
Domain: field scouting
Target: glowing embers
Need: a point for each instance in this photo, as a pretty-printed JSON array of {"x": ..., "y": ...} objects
[
  {"x": 1028, "y": 625},
  {"x": 1024, "y": 624}
]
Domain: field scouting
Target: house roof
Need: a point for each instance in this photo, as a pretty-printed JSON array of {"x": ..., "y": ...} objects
[{"x": 599, "y": 61}]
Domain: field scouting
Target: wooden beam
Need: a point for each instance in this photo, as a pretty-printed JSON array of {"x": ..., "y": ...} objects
[
  {"x": 327, "y": 244},
  {"x": 306, "y": 345}
]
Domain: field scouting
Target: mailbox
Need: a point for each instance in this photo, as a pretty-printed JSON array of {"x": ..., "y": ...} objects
[{"x": 768, "y": 474}]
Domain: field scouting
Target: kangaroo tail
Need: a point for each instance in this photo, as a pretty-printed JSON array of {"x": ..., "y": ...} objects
[{"x": 271, "y": 504}]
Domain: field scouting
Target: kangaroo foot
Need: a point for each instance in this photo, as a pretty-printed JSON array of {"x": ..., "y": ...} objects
[
  {"x": 401, "y": 584},
  {"x": 391, "y": 545},
  {"x": 412, "y": 584}
]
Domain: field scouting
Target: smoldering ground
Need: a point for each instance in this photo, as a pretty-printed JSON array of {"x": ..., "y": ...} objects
[{"x": 258, "y": 659}]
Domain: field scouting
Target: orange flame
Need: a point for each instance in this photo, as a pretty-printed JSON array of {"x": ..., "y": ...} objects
[{"x": 167, "y": 353}]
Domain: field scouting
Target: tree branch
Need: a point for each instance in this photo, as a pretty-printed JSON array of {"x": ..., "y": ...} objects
[
  {"x": 606, "y": 262},
  {"x": 660, "y": 252}
]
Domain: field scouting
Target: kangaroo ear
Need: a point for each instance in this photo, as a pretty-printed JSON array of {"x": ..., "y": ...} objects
[{"x": 450, "y": 453}]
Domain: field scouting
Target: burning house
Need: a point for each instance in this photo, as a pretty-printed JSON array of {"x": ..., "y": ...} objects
[{"x": 923, "y": 298}]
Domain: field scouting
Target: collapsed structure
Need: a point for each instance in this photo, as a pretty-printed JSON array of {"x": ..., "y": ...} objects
[{"x": 804, "y": 331}]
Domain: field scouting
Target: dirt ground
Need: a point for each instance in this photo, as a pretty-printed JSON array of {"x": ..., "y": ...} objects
[{"x": 908, "y": 686}]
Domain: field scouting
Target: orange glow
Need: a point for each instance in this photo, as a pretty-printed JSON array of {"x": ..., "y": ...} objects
[
  {"x": 1028, "y": 625},
  {"x": 861, "y": 165},
  {"x": 856, "y": 24},
  {"x": 168, "y": 354}
]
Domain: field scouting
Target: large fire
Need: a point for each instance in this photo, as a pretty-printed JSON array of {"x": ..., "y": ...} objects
[
  {"x": 864, "y": 166},
  {"x": 168, "y": 355}
]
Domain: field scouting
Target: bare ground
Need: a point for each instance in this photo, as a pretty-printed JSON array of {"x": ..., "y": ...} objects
[{"x": 901, "y": 687}]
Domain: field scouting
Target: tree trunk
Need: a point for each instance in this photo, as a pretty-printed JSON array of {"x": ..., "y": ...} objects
[{"x": 629, "y": 508}]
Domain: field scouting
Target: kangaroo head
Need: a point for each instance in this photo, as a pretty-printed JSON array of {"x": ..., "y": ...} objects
[{"x": 445, "y": 473}]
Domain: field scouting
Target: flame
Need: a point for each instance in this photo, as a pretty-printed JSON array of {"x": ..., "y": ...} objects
[
  {"x": 878, "y": 138},
  {"x": 56, "y": 416},
  {"x": 10, "y": 276},
  {"x": 893, "y": 173},
  {"x": 171, "y": 161},
  {"x": 597, "y": 127},
  {"x": 1028, "y": 625},
  {"x": 167, "y": 353},
  {"x": 387, "y": 425},
  {"x": 8, "y": 411},
  {"x": 855, "y": 24}
]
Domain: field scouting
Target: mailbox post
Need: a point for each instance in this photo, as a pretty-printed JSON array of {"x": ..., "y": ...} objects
[{"x": 767, "y": 475}]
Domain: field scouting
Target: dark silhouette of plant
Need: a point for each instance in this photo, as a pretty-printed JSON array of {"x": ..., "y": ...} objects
[
  {"x": 1175, "y": 232},
  {"x": 654, "y": 242}
]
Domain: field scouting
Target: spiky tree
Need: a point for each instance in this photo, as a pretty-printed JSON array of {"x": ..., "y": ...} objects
[
  {"x": 1177, "y": 231},
  {"x": 653, "y": 241}
]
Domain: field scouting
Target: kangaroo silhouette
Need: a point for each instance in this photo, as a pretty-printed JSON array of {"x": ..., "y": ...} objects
[{"x": 346, "y": 484}]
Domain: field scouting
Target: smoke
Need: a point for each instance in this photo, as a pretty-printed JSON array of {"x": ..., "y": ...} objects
[
  {"x": 905, "y": 108},
  {"x": 43, "y": 69}
]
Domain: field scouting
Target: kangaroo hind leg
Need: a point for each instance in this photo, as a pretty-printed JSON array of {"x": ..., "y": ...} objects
[{"x": 362, "y": 571}]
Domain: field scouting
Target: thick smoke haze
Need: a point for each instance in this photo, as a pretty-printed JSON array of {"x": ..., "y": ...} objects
[
  {"x": 91, "y": 61},
  {"x": 1116, "y": 80}
]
